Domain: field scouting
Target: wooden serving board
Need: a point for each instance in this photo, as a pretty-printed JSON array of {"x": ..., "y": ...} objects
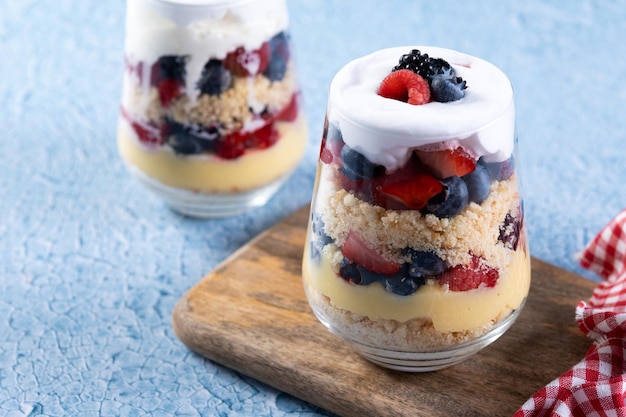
[{"x": 251, "y": 315}]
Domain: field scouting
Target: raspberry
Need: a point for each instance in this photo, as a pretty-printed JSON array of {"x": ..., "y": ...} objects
[
  {"x": 470, "y": 276},
  {"x": 406, "y": 86},
  {"x": 234, "y": 145},
  {"x": 244, "y": 63}
]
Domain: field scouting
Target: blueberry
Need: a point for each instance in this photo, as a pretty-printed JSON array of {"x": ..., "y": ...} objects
[
  {"x": 451, "y": 201},
  {"x": 317, "y": 227},
  {"x": 478, "y": 183},
  {"x": 424, "y": 263},
  {"x": 279, "y": 45},
  {"x": 316, "y": 255},
  {"x": 215, "y": 78},
  {"x": 279, "y": 56},
  {"x": 276, "y": 68},
  {"x": 356, "y": 166},
  {"x": 357, "y": 274},
  {"x": 349, "y": 272},
  {"x": 445, "y": 89},
  {"x": 169, "y": 67},
  {"x": 190, "y": 139},
  {"x": 367, "y": 276},
  {"x": 402, "y": 283},
  {"x": 501, "y": 171}
]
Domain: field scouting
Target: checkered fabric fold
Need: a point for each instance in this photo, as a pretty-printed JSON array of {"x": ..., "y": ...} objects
[{"x": 595, "y": 386}]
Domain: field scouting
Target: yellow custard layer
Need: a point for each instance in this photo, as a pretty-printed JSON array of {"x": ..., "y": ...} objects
[
  {"x": 450, "y": 311},
  {"x": 207, "y": 173}
]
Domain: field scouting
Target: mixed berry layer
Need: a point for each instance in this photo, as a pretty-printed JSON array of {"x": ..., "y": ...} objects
[
  {"x": 233, "y": 107},
  {"x": 437, "y": 181}
]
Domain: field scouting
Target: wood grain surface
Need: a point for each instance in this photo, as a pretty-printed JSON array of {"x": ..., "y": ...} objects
[{"x": 251, "y": 315}]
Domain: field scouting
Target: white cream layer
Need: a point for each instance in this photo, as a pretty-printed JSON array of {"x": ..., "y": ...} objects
[
  {"x": 386, "y": 130},
  {"x": 199, "y": 29}
]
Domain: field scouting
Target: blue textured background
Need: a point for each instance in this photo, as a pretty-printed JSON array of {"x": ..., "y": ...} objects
[{"x": 91, "y": 265}]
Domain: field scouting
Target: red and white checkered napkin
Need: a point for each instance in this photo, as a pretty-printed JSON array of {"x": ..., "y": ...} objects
[{"x": 596, "y": 386}]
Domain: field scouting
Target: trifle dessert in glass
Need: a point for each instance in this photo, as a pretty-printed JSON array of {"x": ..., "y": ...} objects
[
  {"x": 210, "y": 119},
  {"x": 416, "y": 250}
]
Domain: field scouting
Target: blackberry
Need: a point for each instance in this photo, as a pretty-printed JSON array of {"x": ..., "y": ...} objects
[
  {"x": 424, "y": 65},
  {"x": 510, "y": 230},
  {"x": 444, "y": 84}
]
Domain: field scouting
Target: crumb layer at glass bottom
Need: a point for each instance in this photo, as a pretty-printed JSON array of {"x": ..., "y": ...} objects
[{"x": 427, "y": 360}]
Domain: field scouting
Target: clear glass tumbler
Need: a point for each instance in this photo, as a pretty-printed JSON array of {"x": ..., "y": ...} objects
[
  {"x": 416, "y": 251},
  {"x": 210, "y": 113}
]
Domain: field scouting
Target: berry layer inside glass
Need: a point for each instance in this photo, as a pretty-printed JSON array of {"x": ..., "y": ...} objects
[
  {"x": 213, "y": 123},
  {"x": 431, "y": 252}
]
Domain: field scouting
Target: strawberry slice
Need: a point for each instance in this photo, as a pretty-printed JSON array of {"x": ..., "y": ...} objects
[
  {"x": 359, "y": 253},
  {"x": 244, "y": 63},
  {"x": 470, "y": 276},
  {"x": 447, "y": 162},
  {"x": 406, "y": 86},
  {"x": 147, "y": 133},
  {"x": 412, "y": 193},
  {"x": 409, "y": 187}
]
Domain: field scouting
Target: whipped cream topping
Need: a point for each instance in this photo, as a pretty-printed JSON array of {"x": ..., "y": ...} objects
[
  {"x": 386, "y": 130},
  {"x": 200, "y": 29}
]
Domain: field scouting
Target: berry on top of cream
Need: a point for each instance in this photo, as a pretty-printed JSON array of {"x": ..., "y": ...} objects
[{"x": 386, "y": 131}]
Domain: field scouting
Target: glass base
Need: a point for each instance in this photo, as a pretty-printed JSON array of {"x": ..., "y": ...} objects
[
  {"x": 428, "y": 360},
  {"x": 204, "y": 205}
]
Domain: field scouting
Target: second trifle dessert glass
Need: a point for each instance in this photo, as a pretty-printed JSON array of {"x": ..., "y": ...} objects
[
  {"x": 210, "y": 115},
  {"x": 416, "y": 251}
]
